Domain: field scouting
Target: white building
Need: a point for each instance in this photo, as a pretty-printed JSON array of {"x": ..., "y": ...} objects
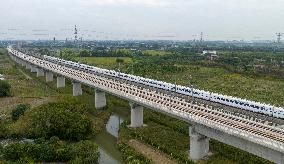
[
  {"x": 211, "y": 55},
  {"x": 206, "y": 52},
  {"x": 2, "y": 77}
]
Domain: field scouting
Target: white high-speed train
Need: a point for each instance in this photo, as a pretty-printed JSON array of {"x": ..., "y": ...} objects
[
  {"x": 210, "y": 96},
  {"x": 215, "y": 97}
]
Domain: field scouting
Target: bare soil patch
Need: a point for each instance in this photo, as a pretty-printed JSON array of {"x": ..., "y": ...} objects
[
  {"x": 8, "y": 103},
  {"x": 156, "y": 156}
]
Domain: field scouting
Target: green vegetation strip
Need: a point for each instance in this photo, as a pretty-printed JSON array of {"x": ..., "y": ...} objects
[{"x": 52, "y": 150}]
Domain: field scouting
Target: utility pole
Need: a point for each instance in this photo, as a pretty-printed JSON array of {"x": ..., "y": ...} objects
[
  {"x": 81, "y": 42},
  {"x": 191, "y": 84},
  {"x": 53, "y": 47},
  {"x": 201, "y": 37},
  {"x": 199, "y": 46}
]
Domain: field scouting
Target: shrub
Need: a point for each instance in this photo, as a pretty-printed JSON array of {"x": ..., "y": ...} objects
[
  {"x": 54, "y": 119},
  {"x": 85, "y": 152},
  {"x": 19, "y": 110},
  {"x": 5, "y": 88},
  {"x": 57, "y": 119},
  {"x": 119, "y": 60},
  {"x": 52, "y": 150},
  {"x": 4, "y": 129}
]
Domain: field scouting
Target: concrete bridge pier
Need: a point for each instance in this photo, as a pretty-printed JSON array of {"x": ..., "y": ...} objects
[
  {"x": 48, "y": 76},
  {"x": 272, "y": 155},
  {"x": 40, "y": 72},
  {"x": 199, "y": 144},
  {"x": 13, "y": 57},
  {"x": 23, "y": 63},
  {"x": 100, "y": 99},
  {"x": 17, "y": 60},
  {"x": 33, "y": 69},
  {"x": 136, "y": 115},
  {"x": 28, "y": 65},
  {"x": 60, "y": 81},
  {"x": 77, "y": 89}
]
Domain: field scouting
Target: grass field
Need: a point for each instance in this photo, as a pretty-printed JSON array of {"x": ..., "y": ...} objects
[
  {"x": 263, "y": 89},
  {"x": 103, "y": 61},
  {"x": 24, "y": 87},
  {"x": 21, "y": 83},
  {"x": 157, "y": 52}
]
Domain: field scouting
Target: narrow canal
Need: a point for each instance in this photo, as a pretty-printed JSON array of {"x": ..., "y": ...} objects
[{"x": 107, "y": 139}]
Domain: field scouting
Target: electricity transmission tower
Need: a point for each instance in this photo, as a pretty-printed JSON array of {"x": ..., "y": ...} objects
[
  {"x": 76, "y": 34},
  {"x": 279, "y": 35},
  {"x": 76, "y": 38}
]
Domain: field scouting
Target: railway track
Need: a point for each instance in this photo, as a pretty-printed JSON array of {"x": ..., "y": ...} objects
[
  {"x": 259, "y": 117},
  {"x": 167, "y": 102}
]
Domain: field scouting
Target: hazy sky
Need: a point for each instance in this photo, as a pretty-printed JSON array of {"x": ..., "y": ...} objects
[{"x": 142, "y": 19}]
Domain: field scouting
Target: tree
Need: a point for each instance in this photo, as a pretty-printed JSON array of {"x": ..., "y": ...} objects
[
  {"x": 5, "y": 88},
  {"x": 85, "y": 53},
  {"x": 68, "y": 54},
  {"x": 119, "y": 60},
  {"x": 19, "y": 111},
  {"x": 44, "y": 51}
]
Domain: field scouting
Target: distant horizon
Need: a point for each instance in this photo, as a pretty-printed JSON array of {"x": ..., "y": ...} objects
[
  {"x": 63, "y": 40},
  {"x": 70, "y": 36}
]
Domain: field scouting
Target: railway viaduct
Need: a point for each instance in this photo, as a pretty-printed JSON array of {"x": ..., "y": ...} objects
[{"x": 254, "y": 137}]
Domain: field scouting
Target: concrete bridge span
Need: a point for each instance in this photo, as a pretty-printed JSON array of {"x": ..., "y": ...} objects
[{"x": 254, "y": 137}]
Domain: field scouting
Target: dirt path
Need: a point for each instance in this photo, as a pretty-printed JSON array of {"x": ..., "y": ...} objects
[{"x": 156, "y": 156}]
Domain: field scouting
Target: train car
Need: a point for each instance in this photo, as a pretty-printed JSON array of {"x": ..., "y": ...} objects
[{"x": 215, "y": 97}]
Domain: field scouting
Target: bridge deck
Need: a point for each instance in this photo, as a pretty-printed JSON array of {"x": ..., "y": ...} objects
[{"x": 255, "y": 132}]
